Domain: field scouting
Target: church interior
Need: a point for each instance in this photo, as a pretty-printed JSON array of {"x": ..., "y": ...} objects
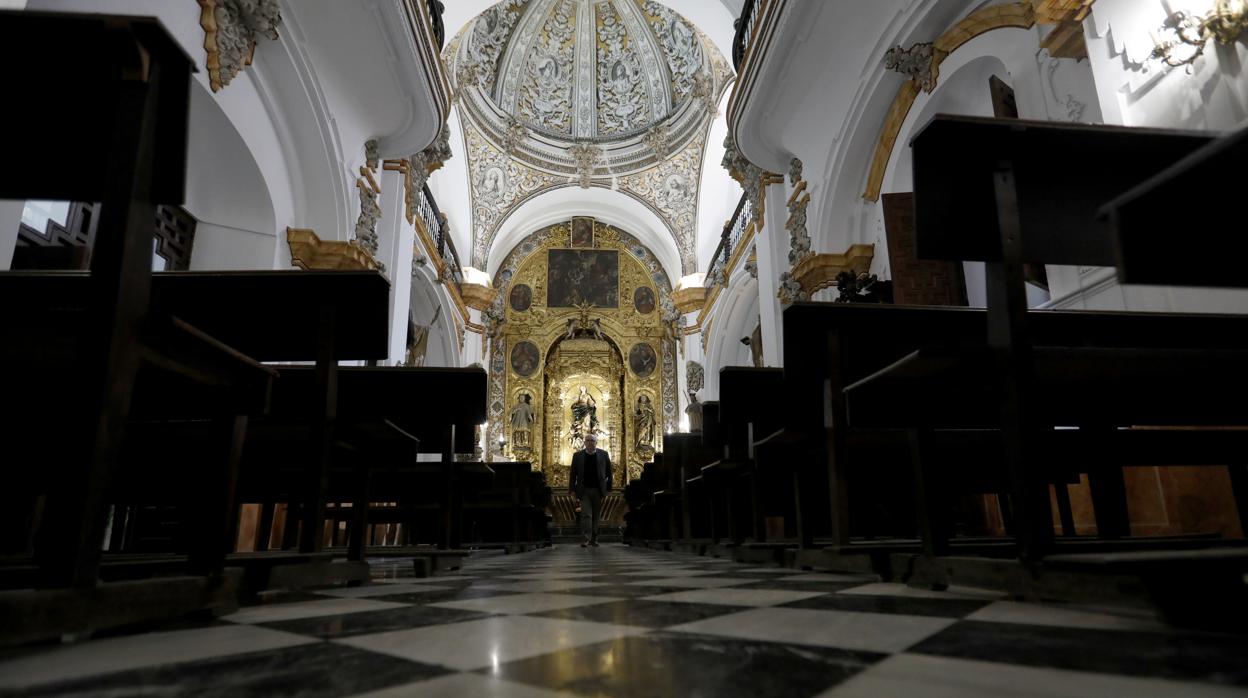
[{"x": 893, "y": 322}]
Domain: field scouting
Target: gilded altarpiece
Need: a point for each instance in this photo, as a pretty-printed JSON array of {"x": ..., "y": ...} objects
[{"x": 606, "y": 369}]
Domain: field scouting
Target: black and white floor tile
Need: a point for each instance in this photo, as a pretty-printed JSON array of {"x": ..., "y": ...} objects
[{"x": 616, "y": 621}]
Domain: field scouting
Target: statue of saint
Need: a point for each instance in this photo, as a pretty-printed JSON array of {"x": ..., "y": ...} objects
[
  {"x": 584, "y": 418},
  {"x": 694, "y": 413},
  {"x": 643, "y": 423},
  {"x": 522, "y": 419}
]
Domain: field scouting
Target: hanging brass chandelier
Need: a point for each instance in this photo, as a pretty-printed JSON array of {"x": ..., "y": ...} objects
[{"x": 1225, "y": 23}]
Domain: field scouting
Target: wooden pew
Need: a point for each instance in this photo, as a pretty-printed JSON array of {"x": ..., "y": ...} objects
[
  {"x": 86, "y": 363},
  {"x": 703, "y": 523},
  {"x": 1141, "y": 369},
  {"x": 1145, "y": 220},
  {"x": 509, "y": 515},
  {"x": 748, "y": 406}
]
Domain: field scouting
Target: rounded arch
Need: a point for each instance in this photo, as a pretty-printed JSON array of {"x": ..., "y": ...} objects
[
  {"x": 614, "y": 208},
  {"x": 736, "y": 317},
  {"x": 963, "y": 91},
  {"x": 426, "y": 298},
  {"x": 226, "y": 192}
]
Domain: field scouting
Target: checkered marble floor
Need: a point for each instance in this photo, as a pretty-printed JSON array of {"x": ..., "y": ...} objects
[{"x": 616, "y": 621}]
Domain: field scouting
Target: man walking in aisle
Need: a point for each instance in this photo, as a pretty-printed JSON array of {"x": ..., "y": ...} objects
[{"x": 590, "y": 483}]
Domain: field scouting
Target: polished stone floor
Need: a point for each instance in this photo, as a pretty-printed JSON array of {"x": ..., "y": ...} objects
[{"x": 616, "y": 621}]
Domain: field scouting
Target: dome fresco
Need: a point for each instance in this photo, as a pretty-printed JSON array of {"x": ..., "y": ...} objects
[{"x": 596, "y": 70}]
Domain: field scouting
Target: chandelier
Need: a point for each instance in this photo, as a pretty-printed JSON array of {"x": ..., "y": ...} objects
[{"x": 1225, "y": 23}]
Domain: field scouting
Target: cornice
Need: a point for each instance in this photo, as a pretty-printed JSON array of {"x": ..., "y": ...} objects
[
  {"x": 309, "y": 251},
  {"x": 477, "y": 296},
  {"x": 690, "y": 299},
  {"x": 819, "y": 271},
  {"x": 773, "y": 15}
]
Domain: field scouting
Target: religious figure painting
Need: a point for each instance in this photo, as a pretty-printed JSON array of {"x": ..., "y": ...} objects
[
  {"x": 521, "y": 297},
  {"x": 643, "y": 300},
  {"x": 582, "y": 232},
  {"x": 642, "y": 359},
  {"x": 583, "y": 276},
  {"x": 525, "y": 358}
]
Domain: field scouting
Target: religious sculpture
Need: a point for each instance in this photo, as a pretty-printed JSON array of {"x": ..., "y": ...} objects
[
  {"x": 694, "y": 413},
  {"x": 584, "y": 418},
  {"x": 644, "y": 423},
  {"x": 522, "y": 419},
  {"x": 582, "y": 324}
]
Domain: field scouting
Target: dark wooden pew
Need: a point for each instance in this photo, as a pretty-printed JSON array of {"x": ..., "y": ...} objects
[
  {"x": 750, "y": 404},
  {"x": 1145, "y": 221},
  {"x": 79, "y": 370},
  {"x": 1005, "y": 204},
  {"x": 510, "y": 514},
  {"x": 702, "y": 523}
]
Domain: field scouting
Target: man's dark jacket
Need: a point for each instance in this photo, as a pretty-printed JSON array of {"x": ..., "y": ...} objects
[{"x": 603, "y": 462}]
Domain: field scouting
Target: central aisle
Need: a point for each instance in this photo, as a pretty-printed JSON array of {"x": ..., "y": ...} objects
[{"x": 616, "y": 621}]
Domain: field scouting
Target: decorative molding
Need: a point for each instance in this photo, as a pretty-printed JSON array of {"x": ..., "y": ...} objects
[
  {"x": 818, "y": 271},
  {"x": 695, "y": 375},
  {"x": 799, "y": 237},
  {"x": 231, "y": 30},
  {"x": 477, "y": 296},
  {"x": 308, "y": 251},
  {"x": 516, "y": 61},
  {"x": 747, "y": 174},
  {"x": 370, "y": 208},
  {"x": 689, "y": 300},
  {"x": 919, "y": 63},
  {"x": 586, "y": 156},
  {"x": 425, "y": 163},
  {"x": 1019, "y": 14}
]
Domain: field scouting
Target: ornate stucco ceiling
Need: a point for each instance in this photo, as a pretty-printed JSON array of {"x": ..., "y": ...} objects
[{"x": 596, "y": 93}]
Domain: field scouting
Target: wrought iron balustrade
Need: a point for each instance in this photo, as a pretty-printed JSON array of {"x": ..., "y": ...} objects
[
  {"x": 439, "y": 230},
  {"x": 730, "y": 240},
  {"x": 744, "y": 26},
  {"x": 435, "y": 9}
]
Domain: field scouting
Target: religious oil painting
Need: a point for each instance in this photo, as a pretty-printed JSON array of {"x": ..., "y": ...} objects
[
  {"x": 582, "y": 232},
  {"x": 521, "y": 297},
  {"x": 643, "y": 300},
  {"x": 642, "y": 359},
  {"x": 583, "y": 276},
  {"x": 525, "y": 358}
]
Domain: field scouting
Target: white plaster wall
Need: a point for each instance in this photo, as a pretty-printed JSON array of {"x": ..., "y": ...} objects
[
  {"x": 226, "y": 192},
  {"x": 10, "y": 221},
  {"x": 451, "y": 189},
  {"x": 1136, "y": 91},
  {"x": 719, "y": 193},
  {"x": 394, "y": 241},
  {"x": 735, "y": 315}
]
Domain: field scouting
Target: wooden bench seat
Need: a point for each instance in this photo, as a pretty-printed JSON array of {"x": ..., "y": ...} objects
[{"x": 1004, "y": 203}]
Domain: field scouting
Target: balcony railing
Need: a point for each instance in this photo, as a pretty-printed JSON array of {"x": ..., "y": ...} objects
[
  {"x": 439, "y": 230},
  {"x": 436, "y": 8},
  {"x": 744, "y": 26},
  {"x": 730, "y": 240}
]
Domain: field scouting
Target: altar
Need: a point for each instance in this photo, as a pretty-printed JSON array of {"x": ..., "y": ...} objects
[{"x": 582, "y": 343}]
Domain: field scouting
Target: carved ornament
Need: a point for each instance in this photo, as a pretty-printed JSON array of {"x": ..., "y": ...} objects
[
  {"x": 231, "y": 30},
  {"x": 689, "y": 300},
  {"x": 308, "y": 251},
  {"x": 477, "y": 295}
]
